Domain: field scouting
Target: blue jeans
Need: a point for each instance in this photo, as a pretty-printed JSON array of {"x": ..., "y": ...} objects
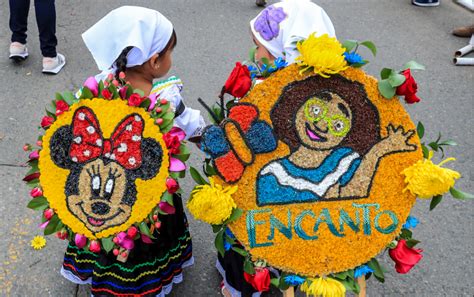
[{"x": 45, "y": 19}]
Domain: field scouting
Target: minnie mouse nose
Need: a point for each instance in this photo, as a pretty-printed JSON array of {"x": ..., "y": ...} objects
[{"x": 100, "y": 208}]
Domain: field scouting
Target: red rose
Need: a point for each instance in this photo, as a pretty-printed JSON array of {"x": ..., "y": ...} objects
[
  {"x": 135, "y": 100},
  {"x": 61, "y": 107},
  {"x": 405, "y": 257},
  {"x": 408, "y": 88},
  {"x": 172, "y": 185},
  {"x": 239, "y": 81},
  {"x": 94, "y": 246},
  {"x": 46, "y": 121},
  {"x": 260, "y": 280},
  {"x": 106, "y": 94},
  {"x": 172, "y": 143},
  {"x": 36, "y": 192}
]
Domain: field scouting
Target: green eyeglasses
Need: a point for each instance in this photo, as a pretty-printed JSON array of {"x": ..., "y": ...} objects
[{"x": 316, "y": 110}]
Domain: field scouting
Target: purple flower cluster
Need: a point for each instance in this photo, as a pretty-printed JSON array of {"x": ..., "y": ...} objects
[{"x": 268, "y": 22}]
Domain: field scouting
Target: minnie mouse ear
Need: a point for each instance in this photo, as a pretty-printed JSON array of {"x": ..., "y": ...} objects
[
  {"x": 152, "y": 156},
  {"x": 59, "y": 147}
]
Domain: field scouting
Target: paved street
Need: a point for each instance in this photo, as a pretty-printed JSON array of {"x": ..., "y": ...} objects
[{"x": 212, "y": 35}]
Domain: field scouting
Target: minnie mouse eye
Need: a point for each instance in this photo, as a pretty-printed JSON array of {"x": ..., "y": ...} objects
[
  {"x": 96, "y": 183},
  {"x": 109, "y": 186}
]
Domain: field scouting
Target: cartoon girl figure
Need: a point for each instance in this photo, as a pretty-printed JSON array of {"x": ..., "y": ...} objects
[{"x": 333, "y": 133}]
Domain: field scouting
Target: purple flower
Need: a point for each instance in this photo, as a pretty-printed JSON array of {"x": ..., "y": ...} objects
[{"x": 267, "y": 23}]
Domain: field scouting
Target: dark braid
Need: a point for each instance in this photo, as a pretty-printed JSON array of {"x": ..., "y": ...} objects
[{"x": 121, "y": 62}]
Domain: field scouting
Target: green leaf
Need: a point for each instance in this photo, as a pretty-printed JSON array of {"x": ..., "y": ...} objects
[
  {"x": 385, "y": 73},
  {"x": 265, "y": 61},
  {"x": 282, "y": 285},
  {"x": 386, "y": 89},
  {"x": 52, "y": 225},
  {"x": 351, "y": 285},
  {"x": 413, "y": 65},
  {"x": 58, "y": 97},
  {"x": 275, "y": 282},
  {"x": 248, "y": 267},
  {"x": 101, "y": 87},
  {"x": 86, "y": 93},
  {"x": 167, "y": 197},
  {"x": 139, "y": 92},
  {"x": 420, "y": 130},
  {"x": 396, "y": 79},
  {"x": 219, "y": 242},
  {"x": 145, "y": 230},
  {"x": 252, "y": 51},
  {"x": 448, "y": 142},
  {"x": 412, "y": 242},
  {"x": 197, "y": 176},
  {"x": 435, "y": 201},
  {"x": 425, "y": 150},
  {"x": 38, "y": 203},
  {"x": 434, "y": 146},
  {"x": 242, "y": 252},
  {"x": 208, "y": 169},
  {"x": 146, "y": 103},
  {"x": 236, "y": 214},
  {"x": 107, "y": 243},
  {"x": 216, "y": 228},
  {"x": 378, "y": 271},
  {"x": 371, "y": 46},
  {"x": 349, "y": 45},
  {"x": 458, "y": 194},
  {"x": 69, "y": 98},
  {"x": 406, "y": 234}
]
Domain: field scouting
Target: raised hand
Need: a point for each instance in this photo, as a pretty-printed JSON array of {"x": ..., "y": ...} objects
[{"x": 397, "y": 140}]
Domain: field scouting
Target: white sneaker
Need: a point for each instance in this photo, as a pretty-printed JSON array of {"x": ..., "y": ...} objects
[
  {"x": 54, "y": 65},
  {"x": 18, "y": 51}
]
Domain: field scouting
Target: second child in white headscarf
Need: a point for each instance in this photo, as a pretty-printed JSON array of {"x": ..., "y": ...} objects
[
  {"x": 139, "y": 42},
  {"x": 275, "y": 32}
]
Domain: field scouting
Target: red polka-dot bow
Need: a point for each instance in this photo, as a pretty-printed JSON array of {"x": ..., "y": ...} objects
[{"x": 88, "y": 143}]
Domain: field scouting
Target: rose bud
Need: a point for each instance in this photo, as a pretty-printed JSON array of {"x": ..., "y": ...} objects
[
  {"x": 34, "y": 155},
  {"x": 158, "y": 109},
  {"x": 116, "y": 252},
  {"x": 122, "y": 75},
  {"x": 163, "y": 101},
  {"x": 26, "y": 147},
  {"x": 132, "y": 232},
  {"x": 48, "y": 213},
  {"x": 155, "y": 217},
  {"x": 158, "y": 225},
  {"x": 36, "y": 192},
  {"x": 115, "y": 83},
  {"x": 39, "y": 143},
  {"x": 80, "y": 240},
  {"x": 110, "y": 76},
  {"x": 166, "y": 207},
  {"x": 159, "y": 121},
  {"x": 46, "y": 121},
  {"x": 172, "y": 185},
  {"x": 94, "y": 246}
]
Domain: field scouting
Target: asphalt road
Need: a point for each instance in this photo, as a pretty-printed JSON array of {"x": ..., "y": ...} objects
[{"x": 212, "y": 35}]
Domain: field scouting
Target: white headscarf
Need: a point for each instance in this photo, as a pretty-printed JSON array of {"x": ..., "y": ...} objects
[
  {"x": 147, "y": 30},
  {"x": 300, "y": 18}
]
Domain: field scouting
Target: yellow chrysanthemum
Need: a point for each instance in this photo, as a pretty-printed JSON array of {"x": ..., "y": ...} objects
[
  {"x": 212, "y": 203},
  {"x": 324, "y": 55},
  {"x": 324, "y": 287},
  {"x": 425, "y": 179},
  {"x": 38, "y": 242}
]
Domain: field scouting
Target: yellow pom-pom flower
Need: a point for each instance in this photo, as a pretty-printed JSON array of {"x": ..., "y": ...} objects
[
  {"x": 38, "y": 242},
  {"x": 324, "y": 55},
  {"x": 425, "y": 179},
  {"x": 324, "y": 287},
  {"x": 212, "y": 203}
]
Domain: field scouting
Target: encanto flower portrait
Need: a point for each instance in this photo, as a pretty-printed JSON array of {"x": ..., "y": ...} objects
[{"x": 331, "y": 124}]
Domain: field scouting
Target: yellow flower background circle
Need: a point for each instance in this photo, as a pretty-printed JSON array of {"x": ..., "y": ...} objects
[
  {"x": 109, "y": 114},
  {"x": 314, "y": 249}
]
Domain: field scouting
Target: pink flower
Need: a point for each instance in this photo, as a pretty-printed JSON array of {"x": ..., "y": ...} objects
[
  {"x": 176, "y": 131},
  {"x": 48, "y": 214},
  {"x": 125, "y": 241},
  {"x": 36, "y": 192},
  {"x": 92, "y": 85},
  {"x": 94, "y": 246},
  {"x": 123, "y": 92},
  {"x": 80, "y": 240},
  {"x": 34, "y": 155},
  {"x": 166, "y": 207}
]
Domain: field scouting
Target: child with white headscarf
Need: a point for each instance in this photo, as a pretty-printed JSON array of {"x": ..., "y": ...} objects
[
  {"x": 275, "y": 31},
  {"x": 139, "y": 42}
]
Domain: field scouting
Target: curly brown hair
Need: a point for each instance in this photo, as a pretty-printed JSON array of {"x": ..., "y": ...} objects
[{"x": 365, "y": 129}]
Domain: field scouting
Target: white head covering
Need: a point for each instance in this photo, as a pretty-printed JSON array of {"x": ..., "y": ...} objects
[
  {"x": 147, "y": 30},
  {"x": 300, "y": 19}
]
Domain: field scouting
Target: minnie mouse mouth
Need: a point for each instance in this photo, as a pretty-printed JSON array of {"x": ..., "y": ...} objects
[
  {"x": 98, "y": 222},
  {"x": 313, "y": 135}
]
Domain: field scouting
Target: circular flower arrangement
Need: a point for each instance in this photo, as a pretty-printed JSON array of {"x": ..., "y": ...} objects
[
  {"x": 328, "y": 165},
  {"x": 106, "y": 166}
]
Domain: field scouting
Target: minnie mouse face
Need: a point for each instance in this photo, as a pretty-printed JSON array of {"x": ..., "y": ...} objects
[{"x": 100, "y": 189}]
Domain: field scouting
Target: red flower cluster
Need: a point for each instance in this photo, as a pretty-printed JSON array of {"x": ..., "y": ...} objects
[
  {"x": 408, "y": 88},
  {"x": 239, "y": 81},
  {"x": 172, "y": 143}
]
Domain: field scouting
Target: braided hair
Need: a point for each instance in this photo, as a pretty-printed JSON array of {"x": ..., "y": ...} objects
[{"x": 121, "y": 61}]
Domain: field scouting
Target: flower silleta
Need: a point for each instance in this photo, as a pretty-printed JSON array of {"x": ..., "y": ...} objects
[
  {"x": 425, "y": 179},
  {"x": 212, "y": 203},
  {"x": 324, "y": 55},
  {"x": 38, "y": 242}
]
